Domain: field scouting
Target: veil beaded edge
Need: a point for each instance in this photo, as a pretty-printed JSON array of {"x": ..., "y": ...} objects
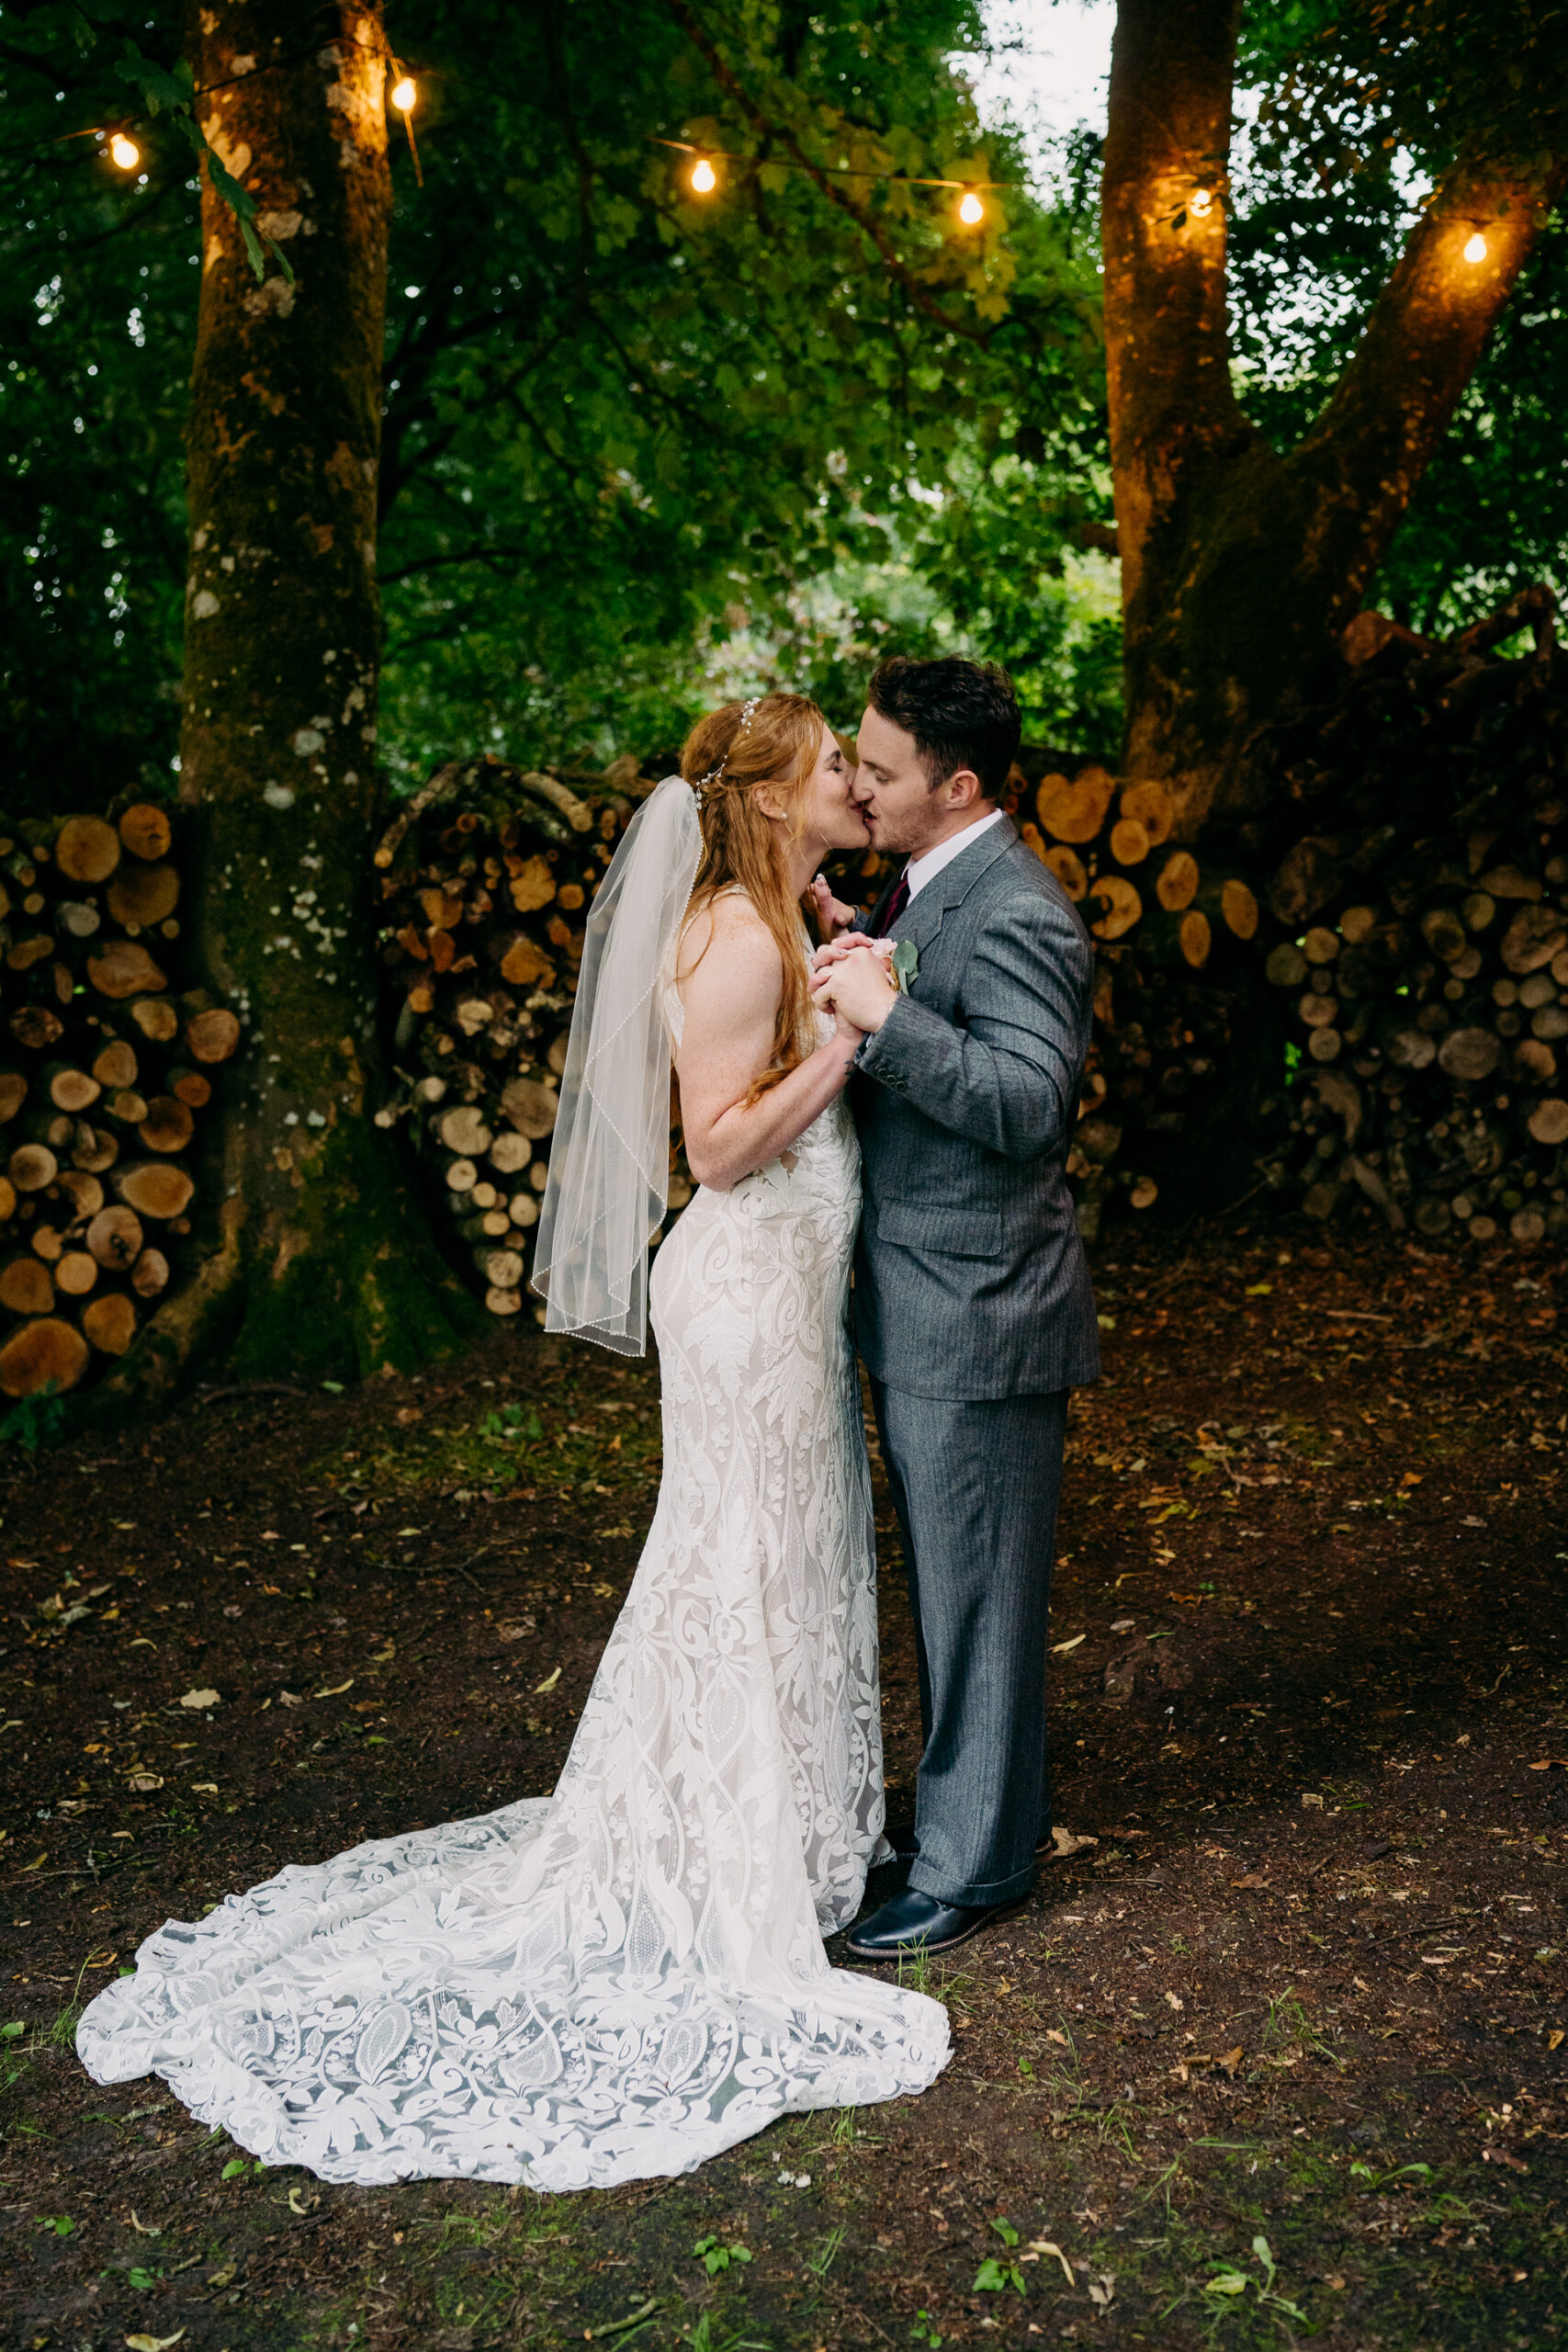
[{"x": 608, "y": 1183}]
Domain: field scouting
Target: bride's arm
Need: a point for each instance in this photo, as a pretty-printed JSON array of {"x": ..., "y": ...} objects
[{"x": 730, "y": 979}]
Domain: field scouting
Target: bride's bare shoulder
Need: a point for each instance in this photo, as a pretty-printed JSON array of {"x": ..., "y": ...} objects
[{"x": 726, "y": 941}]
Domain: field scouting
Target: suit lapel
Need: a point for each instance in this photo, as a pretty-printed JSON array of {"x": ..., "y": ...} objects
[{"x": 922, "y": 917}]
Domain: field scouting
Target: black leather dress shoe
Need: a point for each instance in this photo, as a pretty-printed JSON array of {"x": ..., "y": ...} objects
[{"x": 914, "y": 1923}]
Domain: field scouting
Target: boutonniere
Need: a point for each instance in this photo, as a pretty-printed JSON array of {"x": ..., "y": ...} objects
[{"x": 905, "y": 964}]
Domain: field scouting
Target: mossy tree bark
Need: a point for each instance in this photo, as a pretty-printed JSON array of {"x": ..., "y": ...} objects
[
  {"x": 319, "y": 1264},
  {"x": 1240, "y": 565}
]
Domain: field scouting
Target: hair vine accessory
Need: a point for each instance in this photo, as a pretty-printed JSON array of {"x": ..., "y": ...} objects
[{"x": 715, "y": 775}]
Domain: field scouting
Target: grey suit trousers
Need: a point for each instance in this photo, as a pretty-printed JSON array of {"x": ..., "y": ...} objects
[{"x": 976, "y": 1483}]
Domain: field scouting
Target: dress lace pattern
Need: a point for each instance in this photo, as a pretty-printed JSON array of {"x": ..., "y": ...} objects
[{"x": 621, "y": 1980}]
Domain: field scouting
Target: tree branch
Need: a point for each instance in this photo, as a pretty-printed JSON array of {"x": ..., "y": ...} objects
[
  {"x": 1397, "y": 396},
  {"x": 866, "y": 221}
]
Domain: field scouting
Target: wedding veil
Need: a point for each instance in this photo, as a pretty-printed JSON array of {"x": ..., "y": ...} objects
[{"x": 609, "y": 1172}]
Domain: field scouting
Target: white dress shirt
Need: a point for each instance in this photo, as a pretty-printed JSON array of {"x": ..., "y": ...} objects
[{"x": 925, "y": 869}]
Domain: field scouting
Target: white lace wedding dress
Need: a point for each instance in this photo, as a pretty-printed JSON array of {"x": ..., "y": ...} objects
[{"x": 620, "y": 1980}]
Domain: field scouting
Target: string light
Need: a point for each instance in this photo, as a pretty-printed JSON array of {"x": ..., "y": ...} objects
[
  {"x": 1200, "y": 203},
  {"x": 125, "y": 151},
  {"x": 1475, "y": 250},
  {"x": 705, "y": 179},
  {"x": 405, "y": 95},
  {"x": 971, "y": 212}
]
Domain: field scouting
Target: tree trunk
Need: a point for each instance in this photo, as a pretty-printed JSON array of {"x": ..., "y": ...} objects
[
  {"x": 319, "y": 1264},
  {"x": 1241, "y": 566}
]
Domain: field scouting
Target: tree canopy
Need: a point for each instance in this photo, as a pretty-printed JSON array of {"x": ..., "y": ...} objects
[{"x": 640, "y": 445}]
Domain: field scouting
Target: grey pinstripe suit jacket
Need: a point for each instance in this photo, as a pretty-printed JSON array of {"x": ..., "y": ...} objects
[{"x": 970, "y": 1278}]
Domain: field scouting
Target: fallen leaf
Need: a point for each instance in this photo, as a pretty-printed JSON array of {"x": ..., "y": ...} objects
[
  {"x": 154, "y": 2343},
  {"x": 1252, "y": 1879},
  {"x": 145, "y": 1782},
  {"x": 1062, "y": 1648},
  {"x": 1066, "y": 1843},
  {"x": 1548, "y": 1761},
  {"x": 1049, "y": 2245},
  {"x": 289, "y": 1698},
  {"x": 200, "y": 1699},
  {"x": 1554, "y": 2039},
  {"x": 1229, "y": 2061},
  {"x": 1176, "y": 2000},
  {"x": 333, "y": 1690},
  {"x": 146, "y": 2229},
  {"x": 549, "y": 1682},
  {"x": 1053, "y": 2034}
]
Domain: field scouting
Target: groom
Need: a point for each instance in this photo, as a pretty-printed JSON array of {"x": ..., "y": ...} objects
[{"x": 973, "y": 1305}]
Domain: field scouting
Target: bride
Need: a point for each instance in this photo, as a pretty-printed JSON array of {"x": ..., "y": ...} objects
[{"x": 622, "y": 1979}]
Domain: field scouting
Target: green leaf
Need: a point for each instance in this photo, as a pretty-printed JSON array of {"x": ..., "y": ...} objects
[
  {"x": 159, "y": 88},
  {"x": 1005, "y": 2230},
  {"x": 233, "y": 2168},
  {"x": 993, "y": 2277},
  {"x": 1227, "y": 2281},
  {"x": 253, "y": 246},
  {"x": 9, "y": 2032}
]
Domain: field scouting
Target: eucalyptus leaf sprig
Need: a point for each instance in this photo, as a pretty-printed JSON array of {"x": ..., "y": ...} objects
[{"x": 176, "y": 92}]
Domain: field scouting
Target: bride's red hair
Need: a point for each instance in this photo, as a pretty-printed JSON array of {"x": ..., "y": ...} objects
[{"x": 743, "y": 849}]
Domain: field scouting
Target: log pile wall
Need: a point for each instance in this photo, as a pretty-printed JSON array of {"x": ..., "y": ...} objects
[
  {"x": 104, "y": 1070},
  {"x": 1419, "y": 935}
]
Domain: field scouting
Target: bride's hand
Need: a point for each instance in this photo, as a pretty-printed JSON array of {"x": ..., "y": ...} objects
[
  {"x": 832, "y": 914},
  {"x": 844, "y": 1029},
  {"x": 824, "y": 958}
]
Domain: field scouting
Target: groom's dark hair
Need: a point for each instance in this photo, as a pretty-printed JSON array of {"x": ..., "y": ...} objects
[{"x": 962, "y": 715}]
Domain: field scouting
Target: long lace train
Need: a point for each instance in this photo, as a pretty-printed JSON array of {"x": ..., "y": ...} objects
[{"x": 625, "y": 1978}]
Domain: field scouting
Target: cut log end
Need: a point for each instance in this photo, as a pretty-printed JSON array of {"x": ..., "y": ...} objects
[
  {"x": 41, "y": 1354},
  {"x": 109, "y": 1322}
]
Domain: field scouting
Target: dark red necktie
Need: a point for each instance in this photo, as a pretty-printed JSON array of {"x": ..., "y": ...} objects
[{"x": 896, "y": 905}]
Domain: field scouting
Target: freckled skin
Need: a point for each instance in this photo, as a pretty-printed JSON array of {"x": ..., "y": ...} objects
[{"x": 317, "y": 1262}]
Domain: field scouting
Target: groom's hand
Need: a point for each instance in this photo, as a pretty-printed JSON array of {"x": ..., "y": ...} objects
[
  {"x": 857, "y": 983},
  {"x": 835, "y": 950}
]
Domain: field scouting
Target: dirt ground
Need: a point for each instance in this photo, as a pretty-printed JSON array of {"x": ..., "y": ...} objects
[{"x": 1277, "y": 2052}]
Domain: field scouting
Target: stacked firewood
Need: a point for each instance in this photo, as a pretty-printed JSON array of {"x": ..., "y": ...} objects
[
  {"x": 1176, "y": 933},
  {"x": 486, "y": 876},
  {"x": 103, "y": 1072},
  {"x": 1422, "y": 946}
]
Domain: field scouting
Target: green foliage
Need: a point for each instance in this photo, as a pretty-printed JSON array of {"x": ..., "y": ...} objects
[
  {"x": 715, "y": 2257},
  {"x": 1228, "y": 2285},
  {"x": 1358, "y": 112},
  {"x": 997, "y": 2272},
  {"x": 656, "y": 448},
  {"x": 641, "y": 449},
  {"x": 34, "y": 1421}
]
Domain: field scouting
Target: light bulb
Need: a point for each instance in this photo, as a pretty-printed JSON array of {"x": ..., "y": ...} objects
[
  {"x": 705, "y": 179},
  {"x": 126, "y": 152},
  {"x": 971, "y": 212},
  {"x": 1475, "y": 250},
  {"x": 1200, "y": 203},
  {"x": 404, "y": 94}
]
